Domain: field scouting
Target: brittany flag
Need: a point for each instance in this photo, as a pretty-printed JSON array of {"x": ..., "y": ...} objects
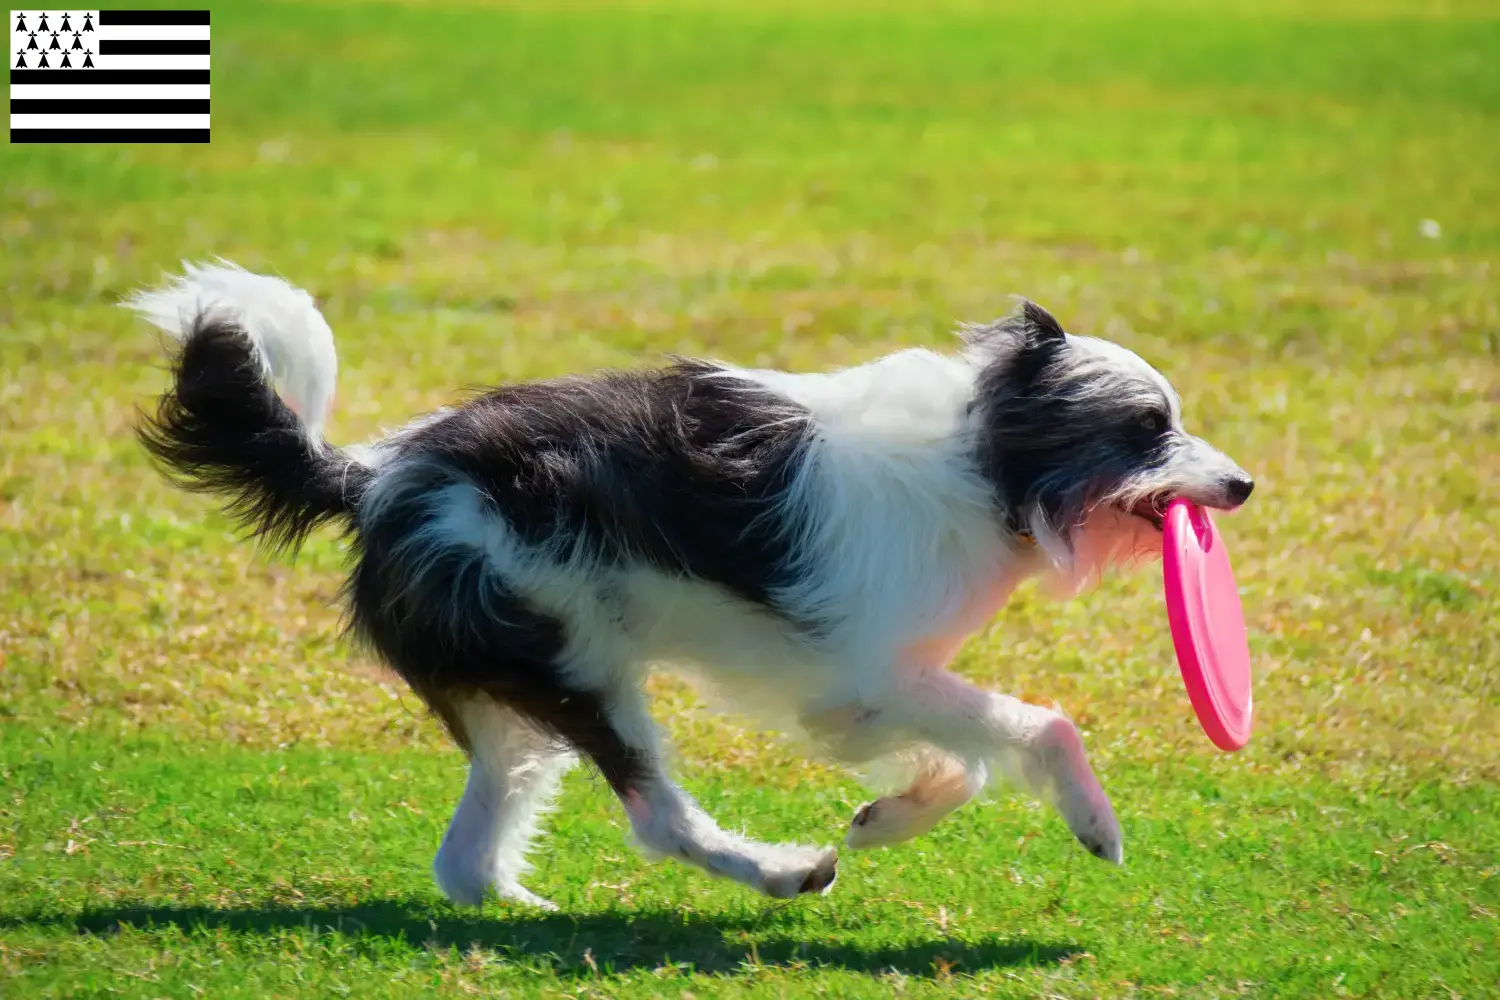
[{"x": 109, "y": 76}]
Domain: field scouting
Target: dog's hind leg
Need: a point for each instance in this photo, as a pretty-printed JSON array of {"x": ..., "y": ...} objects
[
  {"x": 668, "y": 823},
  {"x": 513, "y": 773},
  {"x": 940, "y": 785}
]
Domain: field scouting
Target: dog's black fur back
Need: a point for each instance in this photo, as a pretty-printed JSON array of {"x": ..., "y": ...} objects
[{"x": 671, "y": 468}]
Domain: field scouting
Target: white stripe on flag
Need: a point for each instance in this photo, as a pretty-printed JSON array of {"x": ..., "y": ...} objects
[
  {"x": 149, "y": 62},
  {"x": 108, "y": 121},
  {"x": 149, "y": 32},
  {"x": 109, "y": 92}
]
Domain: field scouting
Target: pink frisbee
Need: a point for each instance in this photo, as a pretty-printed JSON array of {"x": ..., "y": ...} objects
[{"x": 1208, "y": 625}]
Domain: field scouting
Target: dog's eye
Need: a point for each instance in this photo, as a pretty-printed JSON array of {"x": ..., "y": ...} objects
[{"x": 1151, "y": 422}]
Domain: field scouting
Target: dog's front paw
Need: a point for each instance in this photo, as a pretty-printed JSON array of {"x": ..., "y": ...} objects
[
  {"x": 1104, "y": 848},
  {"x": 1092, "y": 820},
  {"x": 888, "y": 820},
  {"x": 864, "y": 828},
  {"x": 1077, "y": 793}
]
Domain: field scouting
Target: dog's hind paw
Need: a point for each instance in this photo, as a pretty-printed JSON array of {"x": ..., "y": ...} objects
[
  {"x": 469, "y": 881},
  {"x": 461, "y": 890},
  {"x": 515, "y": 893},
  {"x": 815, "y": 873}
]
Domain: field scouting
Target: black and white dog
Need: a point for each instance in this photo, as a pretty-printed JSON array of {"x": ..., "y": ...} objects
[{"x": 815, "y": 545}]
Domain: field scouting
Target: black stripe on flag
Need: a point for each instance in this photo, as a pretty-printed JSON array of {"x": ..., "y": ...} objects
[
  {"x": 109, "y": 135},
  {"x": 153, "y": 46},
  {"x": 111, "y": 17},
  {"x": 109, "y": 76},
  {"x": 109, "y": 106}
]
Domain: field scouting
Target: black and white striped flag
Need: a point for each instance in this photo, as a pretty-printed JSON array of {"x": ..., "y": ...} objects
[{"x": 109, "y": 76}]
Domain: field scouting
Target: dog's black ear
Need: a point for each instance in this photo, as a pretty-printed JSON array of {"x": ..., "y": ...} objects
[
  {"x": 1023, "y": 344},
  {"x": 1029, "y": 328},
  {"x": 1041, "y": 326},
  {"x": 1041, "y": 337}
]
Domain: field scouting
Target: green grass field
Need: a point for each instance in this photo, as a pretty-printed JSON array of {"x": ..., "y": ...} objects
[{"x": 1292, "y": 208}]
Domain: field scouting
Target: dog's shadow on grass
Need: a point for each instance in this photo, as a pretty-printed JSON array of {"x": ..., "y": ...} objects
[{"x": 588, "y": 945}]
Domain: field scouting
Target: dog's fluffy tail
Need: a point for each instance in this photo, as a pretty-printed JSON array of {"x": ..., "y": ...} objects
[{"x": 223, "y": 427}]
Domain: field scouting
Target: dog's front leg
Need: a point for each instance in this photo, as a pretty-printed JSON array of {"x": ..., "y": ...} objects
[
  {"x": 1036, "y": 747},
  {"x": 860, "y": 730},
  {"x": 941, "y": 784}
]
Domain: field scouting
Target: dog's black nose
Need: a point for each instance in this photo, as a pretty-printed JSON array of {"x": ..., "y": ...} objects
[{"x": 1239, "y": 488}]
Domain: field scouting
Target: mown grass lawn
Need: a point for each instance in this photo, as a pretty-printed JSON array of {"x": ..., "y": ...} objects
[{"x": 1292, "y": 208}]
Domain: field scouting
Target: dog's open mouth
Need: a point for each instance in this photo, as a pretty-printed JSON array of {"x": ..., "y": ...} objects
[{"x": 1152, "y": 508}]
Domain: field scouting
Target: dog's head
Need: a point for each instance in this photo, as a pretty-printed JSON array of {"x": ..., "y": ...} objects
[{"x": 1085, "y": 442}]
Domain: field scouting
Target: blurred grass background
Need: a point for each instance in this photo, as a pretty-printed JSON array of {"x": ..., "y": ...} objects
[{"x": 1293, "y": 209}]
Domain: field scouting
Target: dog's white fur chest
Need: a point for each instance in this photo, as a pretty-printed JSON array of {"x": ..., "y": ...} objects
[{"x": 898, "y": 539}]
